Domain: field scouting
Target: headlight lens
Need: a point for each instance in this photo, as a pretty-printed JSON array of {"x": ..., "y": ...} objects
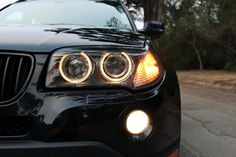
[
  {"x": 148, "y": 70},
  {"x": 116, "y": 67},
  {"x": 75, "y": 68}
]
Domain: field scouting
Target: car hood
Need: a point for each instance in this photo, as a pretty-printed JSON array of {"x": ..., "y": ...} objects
[{"x": 50, "y": 38}]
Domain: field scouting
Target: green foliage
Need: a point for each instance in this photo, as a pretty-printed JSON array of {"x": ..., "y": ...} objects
[
  {"x": 197, "y": 32},
  {"x": 206, "y": 27}
]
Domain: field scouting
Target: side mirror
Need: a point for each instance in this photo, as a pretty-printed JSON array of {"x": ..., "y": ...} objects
[{"x": 154, "y": 29}]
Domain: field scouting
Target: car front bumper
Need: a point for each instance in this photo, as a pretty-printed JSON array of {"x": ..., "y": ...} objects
[
  {"x": 90, "y": 122},
  {"x": 29, "y": 148}
]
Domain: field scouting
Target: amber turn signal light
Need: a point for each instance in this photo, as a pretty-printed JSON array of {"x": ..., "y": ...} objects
[{"x": 147, "y": 71}]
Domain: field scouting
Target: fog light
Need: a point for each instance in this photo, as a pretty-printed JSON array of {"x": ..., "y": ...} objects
[{"x": 137, "y": 122}]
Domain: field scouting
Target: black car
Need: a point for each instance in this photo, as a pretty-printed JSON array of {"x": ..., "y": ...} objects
[{"x": 77, "y": 79}]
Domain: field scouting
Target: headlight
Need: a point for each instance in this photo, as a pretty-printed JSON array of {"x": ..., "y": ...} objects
[
  {"x": 75, "y": 68},
  {"x": 116, "y": 67}
]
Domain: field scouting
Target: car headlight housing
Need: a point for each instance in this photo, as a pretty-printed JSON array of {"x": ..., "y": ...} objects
[
  {"x": 116, "y": 67},
  {"x": 70, "y": 68},
  {"x": 76, "y": 68}
]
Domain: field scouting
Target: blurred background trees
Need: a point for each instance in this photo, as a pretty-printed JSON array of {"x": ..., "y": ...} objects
[{"x": 200, "y": 34}]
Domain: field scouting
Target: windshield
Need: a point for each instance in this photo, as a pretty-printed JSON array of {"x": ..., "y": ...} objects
[{"x": 94, "y": 13}]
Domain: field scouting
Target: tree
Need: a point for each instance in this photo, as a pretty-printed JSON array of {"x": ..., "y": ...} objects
[
  {"x": 199, "y": 33},
  {"x": 153, "y": 9}
]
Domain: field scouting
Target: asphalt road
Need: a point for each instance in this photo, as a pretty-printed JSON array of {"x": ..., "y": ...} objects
[{"x": 208, "y": 122}]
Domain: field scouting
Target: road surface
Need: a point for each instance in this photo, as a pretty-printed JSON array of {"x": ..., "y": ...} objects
[{"x": 208, "y": 122}]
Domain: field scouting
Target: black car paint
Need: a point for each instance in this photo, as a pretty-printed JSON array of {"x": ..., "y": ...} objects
[
  {"x": 90, "y": 114},
  {"x": 48, "y": 38}
]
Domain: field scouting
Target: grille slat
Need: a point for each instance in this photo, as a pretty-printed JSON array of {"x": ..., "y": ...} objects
[
  {"x": 15, "y": 71},
  {"x": 1, "y": 72},
  {"x": 18, "y": 74},
  {"x": 4, "y": 78},
  {"x": 0, "y": 63}
]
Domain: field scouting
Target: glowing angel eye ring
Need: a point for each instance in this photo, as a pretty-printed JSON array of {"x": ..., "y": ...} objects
[
  {"x": 120, "y": 77},
  {"x": 71, "y": 80}
]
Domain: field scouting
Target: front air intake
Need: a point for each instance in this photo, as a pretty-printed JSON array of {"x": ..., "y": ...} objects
[{"x": 15, "y": 126}]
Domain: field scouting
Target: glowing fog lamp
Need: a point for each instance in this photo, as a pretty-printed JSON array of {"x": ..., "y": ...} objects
[{"x": 137, "y": 122}]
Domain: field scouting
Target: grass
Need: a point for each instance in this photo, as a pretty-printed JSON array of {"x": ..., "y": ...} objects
[{"x": 221, "y": 80}]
